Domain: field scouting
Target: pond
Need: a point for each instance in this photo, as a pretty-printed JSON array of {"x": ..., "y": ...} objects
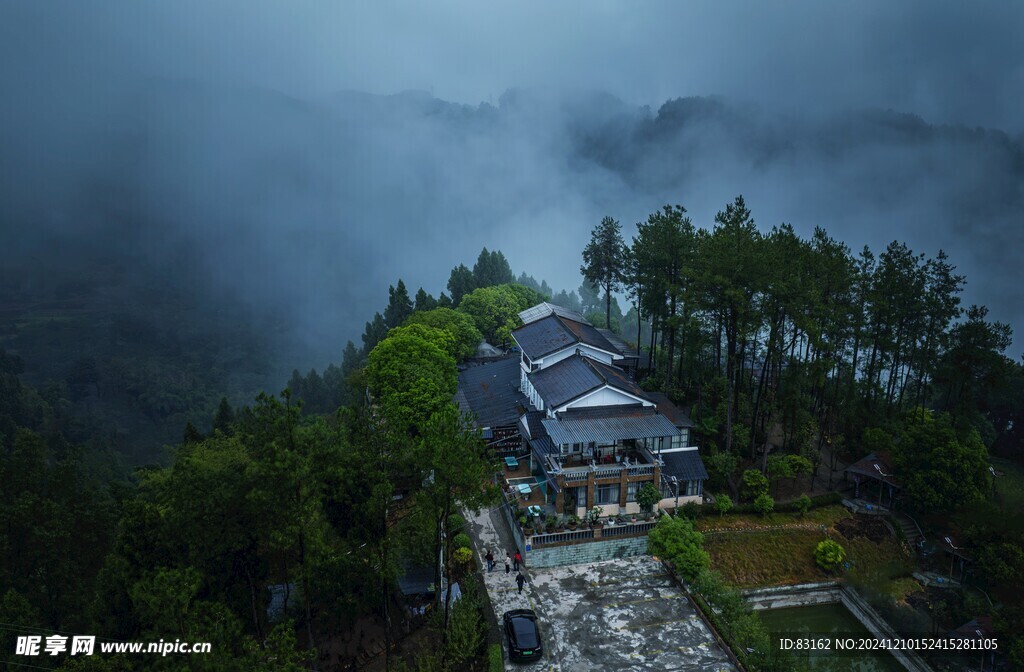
[{"x": 828, "y": 620}]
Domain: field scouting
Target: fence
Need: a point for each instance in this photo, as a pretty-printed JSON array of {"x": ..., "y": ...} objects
[
  {"x": 571, "y": 536},
  {"x": 628, "y": 529}
]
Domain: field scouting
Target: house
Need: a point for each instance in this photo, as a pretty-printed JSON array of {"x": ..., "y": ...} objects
[
  {"x": 595, "y": 437},
  {"x": 490, "y": 392}
]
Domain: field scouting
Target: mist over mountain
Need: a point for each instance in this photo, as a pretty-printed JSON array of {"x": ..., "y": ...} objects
[{"x": 295, "y": 215}]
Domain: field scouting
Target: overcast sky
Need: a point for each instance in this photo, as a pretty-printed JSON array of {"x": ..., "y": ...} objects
[
  {"x": 947, "y": 61},
  {"x": 243, "y": 165}
]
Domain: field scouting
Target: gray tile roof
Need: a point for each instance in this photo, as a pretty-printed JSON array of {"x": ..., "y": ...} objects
[
  {"x": 542, "y": 310},
  {"x": 531, "y": 420},
  {"x": 670, "y": 410},
  {"x": 623, "y": 348},
  {"x": 491, "y": 391},
  {"x": 616, "y": 426},
  {"x": 574, "y": 376},
  {"x": 685, "y": 465},
  {"x": 553, "y": 333},
  {"x": 565, "y": 380}
]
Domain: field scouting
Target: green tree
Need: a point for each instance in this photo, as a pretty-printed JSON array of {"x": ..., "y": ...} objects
[
  {"x": 413, "y": 373},
  {"x": 490, "y": 269},
  {"x": 764, "y": 504},
  {"x": 399, "y": 305},
  {"x": 802, "y": 504},
  {"x": 457, "y": 468},
  {"x": 495, "y": 310},
  {"x": 647, "y": 497},
  {"x": 374, "y": 332},
  {"x": 604, "y": 260},
  {"x": 942, "y": 468},
  {"x": 675, "y": 540},
  {"x": 460, "y": 283},
  {"x": 225, "y": 416},
  {"x": 723, "y": 504},
  {"x": 424, "y": 301},
  {"x": 754, "y": 484},
  {"x": 459, "y": 325}
]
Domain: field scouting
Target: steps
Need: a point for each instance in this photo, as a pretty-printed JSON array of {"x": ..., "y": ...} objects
[{"x": 910, "y": 530}]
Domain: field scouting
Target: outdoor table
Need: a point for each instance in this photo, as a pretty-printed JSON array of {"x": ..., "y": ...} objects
[
  {"x": 511, "y": 462},
  {"x": 524, "y": 489}
]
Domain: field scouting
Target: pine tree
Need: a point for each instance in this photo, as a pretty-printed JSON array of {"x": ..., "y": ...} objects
[
  {"x": 399, "y": 306},
  {"x": 225, "y": 416},
  {"x": 604, "y": 261}
]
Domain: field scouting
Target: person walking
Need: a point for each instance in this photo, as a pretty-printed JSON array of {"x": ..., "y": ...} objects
[
  {"x": 490, "y": 560},
  {"x": 508, "y": 563},
  {"x": 520, "y": 580},
  {"x": 516, "y": 559}
]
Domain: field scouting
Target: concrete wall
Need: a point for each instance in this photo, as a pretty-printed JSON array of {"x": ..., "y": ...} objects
[
  {"x": 806, "y": 594},
  {"x": 594, "y": 551},
  {"x": 801, "y": 595}
]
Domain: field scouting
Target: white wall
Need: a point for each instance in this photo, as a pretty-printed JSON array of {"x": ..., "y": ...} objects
[
  {"x": 548, "y": 360},
  {"x": 606, "y": 396}
]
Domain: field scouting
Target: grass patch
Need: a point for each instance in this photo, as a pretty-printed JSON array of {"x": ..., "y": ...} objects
[
  {"x": 494, "y": 659},
  {"x": 770, "y": 558},
  {"x": 786, "y": 556},
  {"x": 828, "y": 515}
]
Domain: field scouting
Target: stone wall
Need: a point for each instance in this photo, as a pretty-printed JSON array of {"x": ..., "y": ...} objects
[
  {"x": 593, "y": 551},
  {"x": 801, "y": 595}
]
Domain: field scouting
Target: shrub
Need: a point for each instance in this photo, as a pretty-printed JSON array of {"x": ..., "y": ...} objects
[
  {"x": 764, "y": 504},
  {"x": 754, "y": 484},
  {"x": 456, "y": 523},
  {"x": 829, "y": 555},
  {"x": 723, "y": 504},
  {"x": 463, "y": 556},
  {"x": 461, "y": 540},
  {"x": 691, "y": 510},
  {"x": 802, "y": 504}
]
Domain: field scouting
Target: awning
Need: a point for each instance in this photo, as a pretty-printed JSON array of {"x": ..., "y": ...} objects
[
  {"x": 685, "y": 465},
  {"x": 604, "y": 430}
]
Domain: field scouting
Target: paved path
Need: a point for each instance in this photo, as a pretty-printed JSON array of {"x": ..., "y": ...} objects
[{"x": 624, "y": 614}]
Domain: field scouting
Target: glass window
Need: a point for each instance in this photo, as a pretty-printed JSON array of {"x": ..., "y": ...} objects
[
  {"x": 693, "y": 488},
  {"x": 631, "y": 489},
  {"x": 607, "y": 494}
]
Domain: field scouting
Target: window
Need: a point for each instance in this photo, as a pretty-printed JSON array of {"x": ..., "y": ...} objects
[
  {"x": 575, "y": 497},
  {"x": 685, "y": 438},
  {"x": 607, "y": 494},
  {"x": 631, "y": 489},
  {"x": 677, "y": 442},
  {"x": 693, "y": 488}
]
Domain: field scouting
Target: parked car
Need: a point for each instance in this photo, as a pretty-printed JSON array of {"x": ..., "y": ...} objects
[{"x": 524, "y": 643}]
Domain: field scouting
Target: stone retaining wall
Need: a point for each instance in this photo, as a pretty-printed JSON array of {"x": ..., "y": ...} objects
[{"x": 582, "y": 553}]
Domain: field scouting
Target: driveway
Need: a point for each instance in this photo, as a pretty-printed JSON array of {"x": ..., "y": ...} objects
[{"x": 624, "y": 614}]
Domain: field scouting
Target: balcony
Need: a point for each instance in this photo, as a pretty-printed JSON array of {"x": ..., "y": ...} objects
[{"x": 576, "y": 467}]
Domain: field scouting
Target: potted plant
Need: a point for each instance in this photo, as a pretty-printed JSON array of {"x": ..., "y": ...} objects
[
  {"x": 560, "y": 523},
  {"x": 632, "y": 517},
  {"x": 647, "y": 498},
  {"x": 574, "y": 522},
  {"x": 595, "y": 516},
  {"x": 550, "y": 527}
]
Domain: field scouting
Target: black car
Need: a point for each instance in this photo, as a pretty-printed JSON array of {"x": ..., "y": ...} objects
[{"x": 524, "y": 643}]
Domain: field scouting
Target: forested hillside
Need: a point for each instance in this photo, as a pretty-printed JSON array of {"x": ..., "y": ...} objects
[{"x": 765, "y": 336}]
